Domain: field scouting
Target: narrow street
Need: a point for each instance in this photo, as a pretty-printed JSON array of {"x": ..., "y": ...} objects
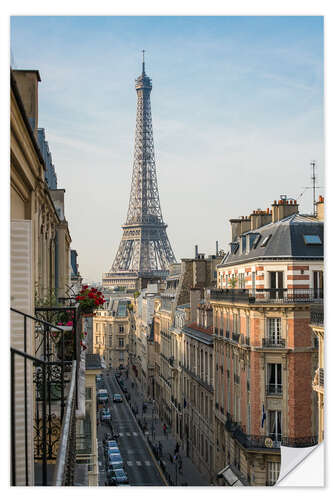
[{"x": 139, "y": 464}]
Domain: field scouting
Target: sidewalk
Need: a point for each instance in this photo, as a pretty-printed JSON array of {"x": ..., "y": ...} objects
[{"x": 163, "y": 444}]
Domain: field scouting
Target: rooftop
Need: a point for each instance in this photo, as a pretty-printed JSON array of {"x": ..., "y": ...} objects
[{"x": 295, "y": 237}]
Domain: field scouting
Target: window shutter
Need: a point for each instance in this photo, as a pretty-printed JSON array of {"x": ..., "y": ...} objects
[{"x": 21, "y": 288}]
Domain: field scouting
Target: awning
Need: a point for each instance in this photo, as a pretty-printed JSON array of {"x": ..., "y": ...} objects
[{"x": 231, "y": 476}]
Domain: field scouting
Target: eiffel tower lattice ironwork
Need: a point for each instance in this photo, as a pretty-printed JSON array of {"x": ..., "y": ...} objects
[{"x": 144, "y": 250}]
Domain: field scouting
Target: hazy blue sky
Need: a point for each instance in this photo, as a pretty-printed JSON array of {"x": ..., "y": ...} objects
[{"x": 237, "y": 105}]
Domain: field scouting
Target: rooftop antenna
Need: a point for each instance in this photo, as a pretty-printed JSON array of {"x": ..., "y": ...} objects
[
  {"x": 313, "y": 187},
  {"x": 313, "y": 178}
]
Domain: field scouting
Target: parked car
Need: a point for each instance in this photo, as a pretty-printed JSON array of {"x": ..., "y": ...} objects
[
  {"x": 117, "y": 477},
  {"x": 115, "y": 461},
  {"x": 117, "y": 398},
  {"x": 105, "y": 415}
]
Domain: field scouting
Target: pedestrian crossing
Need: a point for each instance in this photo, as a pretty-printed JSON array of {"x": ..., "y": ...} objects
[
  {"x": 139, "y": 463},
  {"x": 129, "y": 434}
]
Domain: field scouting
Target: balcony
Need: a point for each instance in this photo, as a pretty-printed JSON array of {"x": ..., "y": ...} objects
[
  {"x": 317, "y": 315},
  {"x": 267, "y": 295},
  {"x": 235, "y": 336},
  {"x": 200, "y": 380},
  {"x": 274, "y": 389},
  {"x": 48, "y": 387},
  {"x": 270, "y": 441},
  {"x": 274, "y": 343}
]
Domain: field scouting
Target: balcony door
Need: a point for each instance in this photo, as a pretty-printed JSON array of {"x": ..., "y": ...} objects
[
  {"x": 318, "y": 284},
  {"x": 275, "y": 425},
  {"x": 276, "y": 284}
]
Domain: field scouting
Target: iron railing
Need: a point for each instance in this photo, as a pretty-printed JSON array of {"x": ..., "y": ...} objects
[
  {"x": 53, "y": 367},
  {"x": 267, "y": 295},
  {"x": 271, "y": 441},
  {"x": 200, "y": 380},
  {"x": 273, "y": 342},
  {"x": 317, "y": 315}
]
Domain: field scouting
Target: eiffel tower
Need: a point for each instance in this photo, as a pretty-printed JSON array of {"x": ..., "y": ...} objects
[{"x": 144, "y": 253}]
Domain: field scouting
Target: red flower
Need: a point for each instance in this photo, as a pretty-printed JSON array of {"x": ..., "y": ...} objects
[
  {"x": 69, "y": 323},
  {"x": 90, "y": 295},
  {"x": 85, "y": 287}
]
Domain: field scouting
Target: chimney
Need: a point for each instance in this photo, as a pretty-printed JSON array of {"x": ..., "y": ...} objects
[
  {"x": 235, "y": 228},
  {"x": 245, "y": 225},
  {"x": 283, "y": 208},
  {"x": 27, "y": 84},
  {"x": 260, "y": 218},
  {"x": 320, "y": 208},
  {"x": 196, "y": 251},
  {"x": 194, "y": 302},
  {"x": 217, "y": 248}
]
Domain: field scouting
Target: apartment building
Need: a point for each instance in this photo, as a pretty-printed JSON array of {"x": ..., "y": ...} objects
[
  {"x": 265, "y": 353},
  {"x": 111, "y": 326},
  {"x": 42, "y": 450},
  {"x": 198, "y": 385}
]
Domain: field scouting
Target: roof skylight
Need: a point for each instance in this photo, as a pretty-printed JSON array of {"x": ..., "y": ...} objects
[{"x": 312, "y": 239}]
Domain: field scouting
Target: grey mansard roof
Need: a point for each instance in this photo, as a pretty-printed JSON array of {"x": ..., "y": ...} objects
[{"x": 286, "y": 241}]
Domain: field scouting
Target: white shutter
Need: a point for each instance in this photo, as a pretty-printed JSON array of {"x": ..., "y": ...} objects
[{"x": 21, "y": 299}]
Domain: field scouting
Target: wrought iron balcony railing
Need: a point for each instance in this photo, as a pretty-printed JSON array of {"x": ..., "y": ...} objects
[
  {"x": 267, "y": 295},
  {"x": 49, "y": 384},
  {"x": 273, "y": 342},
  {"x": 317, "y": 315},
  {"x": 271, "y": 441}
]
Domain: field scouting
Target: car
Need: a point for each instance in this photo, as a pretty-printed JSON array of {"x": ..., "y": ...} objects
[
  {"x": 110, "y": 443},
  {"x": 117, "y": 398},
  {"x": 117, "y": 477},
  {"x": 115, "y": 461},
  {"x": 105, "y": 415},
  {"x": 111, "y": 450},
  {"x": 102, "y": 396}
]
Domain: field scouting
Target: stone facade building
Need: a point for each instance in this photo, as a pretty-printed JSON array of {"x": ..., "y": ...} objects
[
  {"x": 111, "y": 326},
  {"x": 265, "y": 354}
]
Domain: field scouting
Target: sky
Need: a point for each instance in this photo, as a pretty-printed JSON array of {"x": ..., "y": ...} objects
[{"x": 237, "y": 108}]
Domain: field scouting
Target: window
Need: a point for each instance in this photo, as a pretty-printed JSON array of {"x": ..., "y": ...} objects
[
  {"x": 121, "y": 342},
  {"x": 256, "y": 241},
  {"x": 274, "y": 378},
  {"x": 312, "y": 239},
  {"x": 318, "y": 284},
  {"x": 275, "y": 427},
  {"x": 88, "y": 393},
  {"x": 274, "y": 330},
  {"x": 266, "y": 240},
  {"x": 121, "y": 356},
  {"x": 121, "y": 328},
  {"x": 273, "y": 471},
  {"x": 241, "y": 280}
]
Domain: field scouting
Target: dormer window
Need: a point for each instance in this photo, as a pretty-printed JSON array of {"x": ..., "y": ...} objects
[{"x": 266, "y": 240}]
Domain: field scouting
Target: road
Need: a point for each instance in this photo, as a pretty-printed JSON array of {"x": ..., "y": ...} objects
[{"x": 139, "y": 464}]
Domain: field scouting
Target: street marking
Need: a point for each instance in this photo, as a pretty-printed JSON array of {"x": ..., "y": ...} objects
[
  {"x": 138, "y": 462},
  {"x": 147, "y": 463},
  {"x": 128, "y": 434},
  {"x": 147, "y": 432},
  {"x": 129, "y": 463},
  {"x": 135, "y": 433},
  {"x": 121, "y": 434}
]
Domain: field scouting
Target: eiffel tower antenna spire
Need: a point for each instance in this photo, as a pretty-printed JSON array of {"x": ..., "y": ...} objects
[
  {"x": 143, "y": 62},
  {"x": 144, "y": 253}
]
